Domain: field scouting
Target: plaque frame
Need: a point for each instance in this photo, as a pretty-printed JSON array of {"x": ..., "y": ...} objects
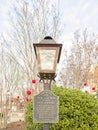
[{"x": 46, "y": 107}]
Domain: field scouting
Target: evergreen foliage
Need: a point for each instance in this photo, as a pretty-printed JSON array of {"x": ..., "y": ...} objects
[{"x": 77, "y": 111}]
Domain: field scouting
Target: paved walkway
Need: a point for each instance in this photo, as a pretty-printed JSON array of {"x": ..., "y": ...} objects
[
  {"x": 20, "y": 125},
  {"x": 15, "y": 116}
]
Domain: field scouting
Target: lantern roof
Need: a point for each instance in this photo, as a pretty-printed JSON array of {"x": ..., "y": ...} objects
[{"x": 48, "y": 40}]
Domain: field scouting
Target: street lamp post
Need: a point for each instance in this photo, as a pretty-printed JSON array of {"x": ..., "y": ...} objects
[{"x": 47, "y": 53}]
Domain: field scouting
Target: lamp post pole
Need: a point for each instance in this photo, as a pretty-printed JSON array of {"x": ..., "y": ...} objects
[
  {"x": 46, "y": 104},
  {"x": 46, "y": 126},
  {"x": 47, "y": 86}
]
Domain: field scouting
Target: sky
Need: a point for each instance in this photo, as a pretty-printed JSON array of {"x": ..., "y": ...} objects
[
  {"x": 3, "y": 16},
  {"x": 78, "y": 15},
  {"x": 75, "y": 15}
]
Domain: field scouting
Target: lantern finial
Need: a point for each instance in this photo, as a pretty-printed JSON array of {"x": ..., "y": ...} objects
[{"x": 48, "y": 37}]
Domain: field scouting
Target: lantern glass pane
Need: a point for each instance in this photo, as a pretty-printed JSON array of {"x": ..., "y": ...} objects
[{"x": 47, "y": 59}]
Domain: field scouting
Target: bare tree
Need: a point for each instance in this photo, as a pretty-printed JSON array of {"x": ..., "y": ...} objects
[
  {"x": 9, "y": 75},
  {"x": 82, "y": 56},
  {"x": 32, "y": 22}
]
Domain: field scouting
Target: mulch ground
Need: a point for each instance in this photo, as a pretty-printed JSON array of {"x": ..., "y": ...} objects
[{"x": 20, "y": 125}]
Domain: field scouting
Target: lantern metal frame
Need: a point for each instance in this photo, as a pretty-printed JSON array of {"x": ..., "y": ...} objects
[{"x": 47, "y": 44}]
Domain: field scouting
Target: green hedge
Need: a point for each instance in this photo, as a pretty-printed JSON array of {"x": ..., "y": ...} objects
[
  {"x": 77, "y": 111},
  {"x": 29, "y": 118}
]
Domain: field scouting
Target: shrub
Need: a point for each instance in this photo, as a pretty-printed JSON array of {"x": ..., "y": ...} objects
[
  {"x": 77, "y": 111},
  {"x": 29, "y": 118}
]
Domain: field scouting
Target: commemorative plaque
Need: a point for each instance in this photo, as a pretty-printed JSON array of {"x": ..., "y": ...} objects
[{"x": 46, "y": 107}]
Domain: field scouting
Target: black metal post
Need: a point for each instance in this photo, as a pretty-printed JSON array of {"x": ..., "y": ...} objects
[
  {"x": 46, "y": 126},
  {"x": 47, "y": 86}
]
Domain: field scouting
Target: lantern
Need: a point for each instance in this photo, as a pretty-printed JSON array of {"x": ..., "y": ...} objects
[{"x": 47, "y": 54}]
